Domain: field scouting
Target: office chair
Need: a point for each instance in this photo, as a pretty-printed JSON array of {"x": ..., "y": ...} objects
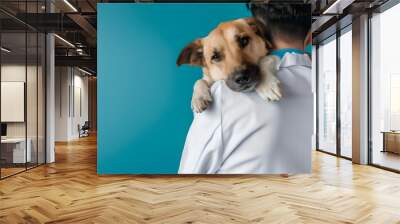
[{"x": 84, "y": 130}]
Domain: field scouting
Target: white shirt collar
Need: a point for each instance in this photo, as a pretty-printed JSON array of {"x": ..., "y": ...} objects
[{"x": 294, "y": 59}]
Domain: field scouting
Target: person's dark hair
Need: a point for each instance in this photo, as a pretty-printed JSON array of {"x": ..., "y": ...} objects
[{"x": 292, "y": 21}]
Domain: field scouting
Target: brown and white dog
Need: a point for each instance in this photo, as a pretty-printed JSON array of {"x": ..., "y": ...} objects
[{"x": 235, "y": 52}]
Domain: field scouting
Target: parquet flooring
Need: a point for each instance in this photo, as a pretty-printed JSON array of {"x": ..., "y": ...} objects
[
  {"x": 10, "y": 171},
  {"x": 70, "y": 191}
]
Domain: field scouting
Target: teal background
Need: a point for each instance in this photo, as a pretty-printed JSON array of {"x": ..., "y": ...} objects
[{"x": 143, "y": 97}]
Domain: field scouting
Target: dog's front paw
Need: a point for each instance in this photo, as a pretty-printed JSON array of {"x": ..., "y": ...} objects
[
  {"x": 201, "y": 98},
  {"x": 200, "y": 102},
  {"x": 269, "y": 88},
  {"x": 270, "y": 91}
]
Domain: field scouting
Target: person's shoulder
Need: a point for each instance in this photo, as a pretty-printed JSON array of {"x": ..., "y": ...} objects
[
  {"x": 219, "y": 89},
  {"x": 226, "y": 97},
  {"x": 217, "y": 86},
  {"x": 214, "y": 109}
]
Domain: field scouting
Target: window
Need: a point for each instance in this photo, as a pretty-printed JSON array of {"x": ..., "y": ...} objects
[
  {"x": 327, "y": 96},
  {"x": 346, "y": 75},
  {"x": 394, "y": 102},
  {"x": 329, "y": 111},
  {"x": 385, "y": 89}
]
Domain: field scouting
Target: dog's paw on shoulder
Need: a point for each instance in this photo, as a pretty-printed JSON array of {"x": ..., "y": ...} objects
[
  {"x": 270, "y": 90},
  {"x": 201, "y": 98},
  {"x": 201, "y": 102}
]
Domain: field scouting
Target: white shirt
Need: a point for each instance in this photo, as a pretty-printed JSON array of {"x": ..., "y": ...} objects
[{"x": 242, "y": 134}]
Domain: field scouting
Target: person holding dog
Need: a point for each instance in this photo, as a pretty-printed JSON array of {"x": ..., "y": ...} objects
[{"x": 242, "y": 134}]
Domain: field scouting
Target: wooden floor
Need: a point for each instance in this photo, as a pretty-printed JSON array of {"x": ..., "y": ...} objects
[
  {"x": 70, "y": 191},
  {"x": 5, "y": 172},
  {"x": 9, "y": 171}
]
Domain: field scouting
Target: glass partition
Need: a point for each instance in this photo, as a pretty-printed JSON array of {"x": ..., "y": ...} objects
[
  {"x": 32, "y": 95},
  {"x": 22, "y": 78},
  {"x": 15, "y": 150}
]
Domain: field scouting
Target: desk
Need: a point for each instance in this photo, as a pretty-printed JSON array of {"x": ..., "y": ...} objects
[
  {"x": 391, "y": 141},
  {"x": 13, "y": 150}
]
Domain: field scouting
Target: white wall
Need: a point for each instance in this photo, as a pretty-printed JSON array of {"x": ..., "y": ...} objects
[
  {"x": 62, "y": 82},
  {"x": 70, "y": 83},
  {"x": 33, "y": 127},
  {"x": 12, "y": 73},
  {"x": 79, "y": 117},
  {"x": 17, "y": 73}
]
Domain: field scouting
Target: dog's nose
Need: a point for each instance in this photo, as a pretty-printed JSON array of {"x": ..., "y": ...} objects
[{"x": 242, "y": 78}]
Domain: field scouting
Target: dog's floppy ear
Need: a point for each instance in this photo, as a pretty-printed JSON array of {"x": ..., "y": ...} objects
[
  {"x": 192, "y": 54},
  {"x": 259, "y": 29},
  {"x": 252, "y": 23}
]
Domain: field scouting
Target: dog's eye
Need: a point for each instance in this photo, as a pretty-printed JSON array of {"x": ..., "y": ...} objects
[
  {"x": 243, "y": 41},
  {"x": 216, "y": 57}
]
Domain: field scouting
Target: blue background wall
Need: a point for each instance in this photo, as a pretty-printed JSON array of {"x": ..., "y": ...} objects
[{"x": 143, "y": 97}]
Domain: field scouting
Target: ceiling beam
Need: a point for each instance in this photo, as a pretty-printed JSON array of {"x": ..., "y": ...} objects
[
  {"x": 86, "y": 26},
  {"x": 82, "y": 61}
]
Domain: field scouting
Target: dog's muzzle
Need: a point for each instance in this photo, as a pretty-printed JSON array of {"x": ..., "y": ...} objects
[{"x": 244, "y": 80}]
